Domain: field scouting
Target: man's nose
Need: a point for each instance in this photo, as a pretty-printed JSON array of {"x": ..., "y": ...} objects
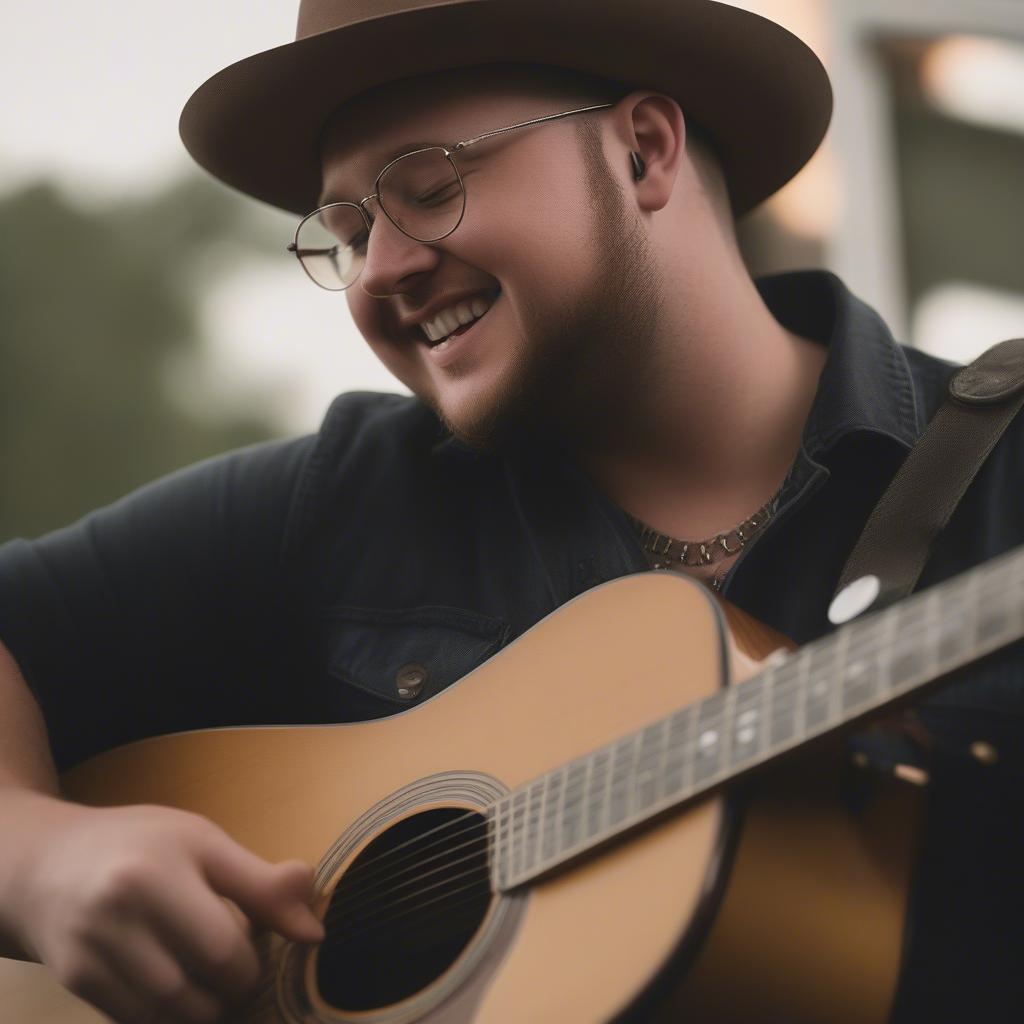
[{"x": 391, "y": 254}]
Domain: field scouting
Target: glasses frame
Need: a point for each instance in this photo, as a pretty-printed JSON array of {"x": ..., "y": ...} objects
[{"x": 449, "y": 151}]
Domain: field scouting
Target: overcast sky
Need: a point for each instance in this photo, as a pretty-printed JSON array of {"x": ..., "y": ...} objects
[
  {"x": 92, "y": 95},
  {"x": 94, "y": 90}
]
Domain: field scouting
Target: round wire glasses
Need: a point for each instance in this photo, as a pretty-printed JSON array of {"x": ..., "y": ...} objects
[{"x": 422, "y": 193}]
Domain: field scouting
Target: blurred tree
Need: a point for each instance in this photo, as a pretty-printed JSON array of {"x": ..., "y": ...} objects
[{"x": 94, "y": 305}]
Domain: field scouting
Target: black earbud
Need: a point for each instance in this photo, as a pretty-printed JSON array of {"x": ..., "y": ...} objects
[{"x": 638, "y": 165}]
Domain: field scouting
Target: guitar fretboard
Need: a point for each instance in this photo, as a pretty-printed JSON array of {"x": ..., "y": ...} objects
[{"x": 857, "y": 669}]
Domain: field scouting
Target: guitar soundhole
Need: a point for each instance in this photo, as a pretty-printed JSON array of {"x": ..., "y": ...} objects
[{"x": 405, "y": 909}]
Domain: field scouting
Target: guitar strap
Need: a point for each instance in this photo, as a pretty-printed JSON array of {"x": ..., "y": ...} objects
[{"x": 897, "y": 538}]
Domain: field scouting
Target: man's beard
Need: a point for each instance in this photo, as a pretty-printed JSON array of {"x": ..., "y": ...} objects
[{"x": 588, "y": 364}]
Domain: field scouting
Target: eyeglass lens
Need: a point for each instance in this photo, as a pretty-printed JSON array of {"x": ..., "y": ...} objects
[{"x": 420, "y": 192}]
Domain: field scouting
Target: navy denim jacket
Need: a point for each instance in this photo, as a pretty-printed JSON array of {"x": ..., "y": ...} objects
[{"x": 290, "y": 581}]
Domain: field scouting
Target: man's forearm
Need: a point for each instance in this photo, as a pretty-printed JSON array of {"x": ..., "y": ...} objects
[
  {"x": 27, "y": 775},
  {"x": 25, "y": 759}
]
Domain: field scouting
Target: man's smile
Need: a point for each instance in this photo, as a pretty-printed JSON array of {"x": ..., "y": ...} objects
[
  {"x": 445, "y": 351},
  {"x": 457, "y": 313}
]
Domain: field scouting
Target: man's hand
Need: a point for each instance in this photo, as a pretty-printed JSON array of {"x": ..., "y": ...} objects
[{"x": 128, "y": 907}]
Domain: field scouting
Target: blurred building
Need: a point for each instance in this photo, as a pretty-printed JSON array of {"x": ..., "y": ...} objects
[{"x": 917, "y": 198}]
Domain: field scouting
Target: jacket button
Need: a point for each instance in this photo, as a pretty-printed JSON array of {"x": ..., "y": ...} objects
[{"x": 410, "y": 679}]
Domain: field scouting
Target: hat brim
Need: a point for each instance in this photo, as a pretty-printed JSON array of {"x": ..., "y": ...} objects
[{"x": 758, "y": 91}]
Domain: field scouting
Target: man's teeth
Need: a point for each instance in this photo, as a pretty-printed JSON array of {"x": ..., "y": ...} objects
[{"x": 449, "y": 320}]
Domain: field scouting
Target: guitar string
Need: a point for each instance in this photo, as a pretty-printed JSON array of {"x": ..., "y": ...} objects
[
  {"x": 709, "y": 721},
  {"x": 780, "y": 685},
  {"x": 472, "y": 891},
  {"x": 356, "y": 925},
  {"x": 346, "y": 910},
  {"x": 437, "y": 922},
  {"x": 530, "y": 821},
  {"x": 620, "y": 783},
  {"x": 377, "y": 861},
  {"x": 356, "y": 928}
]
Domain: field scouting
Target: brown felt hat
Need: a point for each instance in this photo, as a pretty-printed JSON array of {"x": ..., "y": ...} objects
[{"x": 758, "y": 91}]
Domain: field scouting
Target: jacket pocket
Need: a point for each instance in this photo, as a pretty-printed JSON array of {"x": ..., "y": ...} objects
[{"x": 391, "y": 659}]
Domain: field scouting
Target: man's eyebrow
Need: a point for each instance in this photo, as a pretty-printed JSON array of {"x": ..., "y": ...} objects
[{"x": 331, "y": 197}]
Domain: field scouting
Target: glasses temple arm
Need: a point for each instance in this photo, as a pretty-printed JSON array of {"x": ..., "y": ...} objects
[{"x": 526, "y": 124}]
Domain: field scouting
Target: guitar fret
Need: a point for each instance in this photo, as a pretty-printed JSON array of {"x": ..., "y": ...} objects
[
  {"x": 972, "y": 612},
  {"x": 689, "y": 752},
  {"x": 598, "y": 777},
  {"x": 725, "y": 728},
  {"x": 954, "y": 626},
  {"x": 838, "y": 678},
  {"x": 747, "y": 719},
  {"x": 933, "y": 629},
  {"x": 532, "y": 827},
  {"x": 496, "y": 845},
  {"x": 816, "y": 683},
  {"x": 707, "y": 756},
  {"x": 676, "y": 759},
  {"x": 1015, "y": 603},
  {"x": 995, "y": 617},
  {"x": 865, "y": 664},
  {"x": 621, "y": 777},
  {"x": 885, "y": 660},
  {"x": 861, "y": 676},
  {"x": 648, "y": 757},
  {"x": 786, "y": 703},
  {"x": 573, "y": 796},
  {"x": 906, "y": 648},
  {"x": 800, "y": 697},
  {"x": 767, "y": 708},
  {"x": 519, "y": 820},
  {"x": 551, "y": 833},
  {"x": 661, "y": 788}
]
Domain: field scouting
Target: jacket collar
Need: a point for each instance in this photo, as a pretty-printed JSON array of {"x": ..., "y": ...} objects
[{"x": 866, "y": 383}]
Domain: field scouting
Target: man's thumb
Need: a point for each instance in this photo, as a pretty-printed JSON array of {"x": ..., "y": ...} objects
[{"x": 291, "y": 892}]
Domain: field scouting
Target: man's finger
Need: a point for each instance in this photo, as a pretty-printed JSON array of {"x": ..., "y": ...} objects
[
  {"x": 213, "y": 948},
  {"x": 160, "y": 982},
  {"x": 100, "y": 985},
  {"x": 275, "y": 896}
]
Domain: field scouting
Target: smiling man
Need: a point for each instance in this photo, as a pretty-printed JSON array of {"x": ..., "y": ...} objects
[
  {"x": 641, "y": 285},
  {"x": 530, "y": 208}
]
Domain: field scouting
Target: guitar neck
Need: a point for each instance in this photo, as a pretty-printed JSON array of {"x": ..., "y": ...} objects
[{"x": 861, "y": 667}]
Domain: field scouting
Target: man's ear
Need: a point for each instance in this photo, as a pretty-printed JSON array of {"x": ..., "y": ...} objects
[{"x": 654, "y": 130}]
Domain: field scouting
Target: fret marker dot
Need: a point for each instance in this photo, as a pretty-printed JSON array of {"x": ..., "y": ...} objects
[
  {"x": 745, "y": 735},
  {"x": 708, "y": 739},
  {"x": 747, "y": 718}
]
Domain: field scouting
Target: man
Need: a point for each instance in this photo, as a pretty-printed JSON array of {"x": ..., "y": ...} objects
[{"x": 625, "y": 371}]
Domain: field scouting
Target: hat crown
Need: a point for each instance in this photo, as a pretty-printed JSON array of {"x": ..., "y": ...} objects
[{"x": 316, "y": 16}]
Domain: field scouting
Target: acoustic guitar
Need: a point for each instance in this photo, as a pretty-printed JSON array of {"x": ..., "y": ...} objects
[{"x": 599, "y": 823}]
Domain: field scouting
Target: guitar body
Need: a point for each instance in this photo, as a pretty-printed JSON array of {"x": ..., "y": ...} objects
[{"x": 783, "y": 906}]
